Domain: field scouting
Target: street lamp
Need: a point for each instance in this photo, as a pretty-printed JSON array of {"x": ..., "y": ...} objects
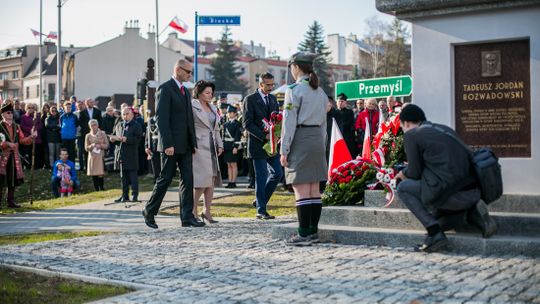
[{"x": 59, "y": 54}]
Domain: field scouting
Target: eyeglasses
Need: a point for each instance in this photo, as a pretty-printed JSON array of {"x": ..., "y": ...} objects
[
  {"x": 187, "y": 71},
  {"x": 8, "y": 112}
]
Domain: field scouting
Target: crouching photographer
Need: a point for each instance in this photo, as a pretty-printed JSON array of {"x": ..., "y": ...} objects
[{"x": 438, "y": 185}]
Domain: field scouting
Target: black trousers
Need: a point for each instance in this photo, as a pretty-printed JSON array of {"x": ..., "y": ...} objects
[
  {"x": 169, "y": 165},
  {"x": 129, "y": 177},
  {"x": 69, "y": 144},
  {"x": 82, "y": 154},
  {"x": 156, "y": 164}
]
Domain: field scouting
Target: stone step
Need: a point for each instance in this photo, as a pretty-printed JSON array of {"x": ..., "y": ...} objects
[
  {"x": 459, "y": 243},
  {"x": 356, "y": 216},
  {"x": 507, "y": 203}
]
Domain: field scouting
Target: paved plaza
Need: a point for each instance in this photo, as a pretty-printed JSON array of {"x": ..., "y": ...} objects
[{"x": 237, "y": 261}]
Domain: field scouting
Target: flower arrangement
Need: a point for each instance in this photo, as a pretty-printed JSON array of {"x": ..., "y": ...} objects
[
  {"x": 389, "y": 143},
  {"x": 273, "y": 128},
  {"x": 348, "y": 182}
]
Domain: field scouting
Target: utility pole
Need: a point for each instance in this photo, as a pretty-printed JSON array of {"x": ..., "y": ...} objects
[
  {"x": 40, "y": 67},
  {"x": 59, "y": 57}
]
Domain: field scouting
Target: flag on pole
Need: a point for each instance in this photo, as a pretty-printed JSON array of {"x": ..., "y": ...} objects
[
  {"x": 178, "y": 25},
  {"x": 52, "y": 35},
  {"x": 36, "y": 33},
  {"x": 339, "y": 153},
  {"x": 366, "y": 147}
]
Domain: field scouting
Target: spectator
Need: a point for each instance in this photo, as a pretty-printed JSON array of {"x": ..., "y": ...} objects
[
  {"x": 345, "y": 121},
  {"x": 61, "y": 164},
  {"x": 232, "y": 133},
  {"x": 96, "y": 143},
  {"x": 372, "y": 115},
  {"x": 68, "y": 130},
  {"x": 109, "y": 119},
  {"x": 81, "y": 133},
  {"x": 359, "y": 108},
  {"x": 52, "y": 129},
  {"x": 383, "y": 112},
  {"x": 45, "y": 109},
  {"x": 393, "y": 105},
  {"x": 126, "y": 137},
  {"x": 18, "y": 111},
  {"x": 30, "y": 122}
]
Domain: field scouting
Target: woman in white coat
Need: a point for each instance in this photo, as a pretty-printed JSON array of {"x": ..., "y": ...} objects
[{"x": 206, "y": 174}]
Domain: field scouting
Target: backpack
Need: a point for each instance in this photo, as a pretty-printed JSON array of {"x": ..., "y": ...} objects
[{"x": 486, "y": 168}]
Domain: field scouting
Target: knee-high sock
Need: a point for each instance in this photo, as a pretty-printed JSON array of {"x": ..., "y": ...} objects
[
  {"x": 316, "y": 208},
  {"x": 303, "y": 209}
]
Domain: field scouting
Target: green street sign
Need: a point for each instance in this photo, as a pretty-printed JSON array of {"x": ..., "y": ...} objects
[{"x": 375, "y": 87}]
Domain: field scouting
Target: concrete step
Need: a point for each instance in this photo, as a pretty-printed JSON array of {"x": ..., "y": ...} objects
[
  {"x": 459, "y": 243},
  {"x": 519, "y": 224},
  {"x": 507, "y": 203}
]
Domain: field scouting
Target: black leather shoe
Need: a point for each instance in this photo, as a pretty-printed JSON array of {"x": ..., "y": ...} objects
[
  {"x": 250, "y": 186},
  {"x": 192, "y": 223},
  {"x": 265, "y": 216},
  {"x": 135, "y": 199},
  {"x": 121, "y": 200},
  {"x": 432, "y": 243},
  {"x": 480, "y": 218},
  {"x": 149, "y": 220}
]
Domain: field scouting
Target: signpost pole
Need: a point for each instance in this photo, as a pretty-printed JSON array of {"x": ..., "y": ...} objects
[{"x": 195, "y": 55}]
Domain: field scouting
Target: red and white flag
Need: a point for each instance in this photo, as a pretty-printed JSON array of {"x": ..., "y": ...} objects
[
  {"x": 378, "y": 157},
  {"x": 178, "y": 25},
  {"x": 36, "y": 33},
  {"x": 339, "y": 153},
  {"x": 366, "y": 147},
  {"x": 52, "y": 35}
]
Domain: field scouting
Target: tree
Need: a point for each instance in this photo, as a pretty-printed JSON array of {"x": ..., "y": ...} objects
[
  {"x": 398, "y": 59},
  {"x": 374, "y": 39},
  {"x": 225, "y": 73},
  {"x": 355, "y": 73},
  {"x": 314, "y": 43}
]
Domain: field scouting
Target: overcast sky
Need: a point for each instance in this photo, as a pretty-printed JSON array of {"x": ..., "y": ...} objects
[{"x": 277, "y": 24}]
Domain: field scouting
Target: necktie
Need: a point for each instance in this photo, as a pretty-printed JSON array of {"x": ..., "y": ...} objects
[
  {"x": 182, "y": 90},
  {"x": 267, "y": 104}
]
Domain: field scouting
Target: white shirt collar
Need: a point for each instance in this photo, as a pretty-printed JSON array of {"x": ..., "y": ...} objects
[
  {"x": 178, "y": 83},
  {"x": 262, "y": 94}
]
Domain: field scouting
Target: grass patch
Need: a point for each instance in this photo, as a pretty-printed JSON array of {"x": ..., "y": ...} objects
[
  {"x": 43, "y": 198},
  {"x": 17, "y": 239},
  {"x": 23, "y": 287},
  {"x": 241, "y": 206}
]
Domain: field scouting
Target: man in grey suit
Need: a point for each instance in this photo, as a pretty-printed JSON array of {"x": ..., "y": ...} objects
[{"x": 177, "y": 143}]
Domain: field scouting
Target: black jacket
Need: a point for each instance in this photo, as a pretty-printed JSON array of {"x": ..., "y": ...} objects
[
  {"x": 108, "y": 123},
  {"x": 438, "y": 161},
  {"x": 174, "y": 118},
  {"x": 255, "y": 109},
  {"x": 52, "y": 128},
  {"x": 84, "y": 118},
  {"x": 128, "y": 153},
  {"x": 345, "y": 121},
  {"x": 232, "y": 134}
]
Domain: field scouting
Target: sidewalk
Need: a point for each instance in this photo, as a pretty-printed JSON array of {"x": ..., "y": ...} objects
[{"x": 101, "y": 215}]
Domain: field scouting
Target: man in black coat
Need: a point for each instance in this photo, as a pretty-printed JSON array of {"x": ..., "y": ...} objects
[
  {"x": 257, "y": 107},
  {"x": 345, "y": 121},
  {"x": 127, "y": 136},
  {"x": 177, "y": 143},
  {"x": 438, "y": 178}
]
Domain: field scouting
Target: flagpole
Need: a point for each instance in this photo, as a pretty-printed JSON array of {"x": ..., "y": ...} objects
[
  {"x": 157, "y": 45},
  {"x": 195, "y": 55},
  {"x": 40, "y": 54},
  {"x": 59, "y": 57}
]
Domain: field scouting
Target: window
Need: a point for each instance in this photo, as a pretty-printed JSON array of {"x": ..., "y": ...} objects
[
  {"x": 15, "y": 75},
  {"x": 27, "y": 94},
  {"x": 15, "y": 94},
  {"x": 283, "y": 74},
  {"x": 3, "y": 75},
  {"x": 207, "y": 74},
  {"x": 50, "y": 93},
  {"x": 37, "y": 90}
]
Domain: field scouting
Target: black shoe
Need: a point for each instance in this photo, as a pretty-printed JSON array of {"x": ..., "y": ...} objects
[
  {"x": 149, "y": 220},
  {"x": 228, "y": 185},
  {"x": 211, "y": 221},
  {"x": 449, "y": 221},
  {"x": 251, "y": 186},
  {"x": 192, "y": 223},
  {"x": 135, "y": 199},
  {"x": 254, "y": 203},
  {"x": 480, "y": 218},
  {"x": 265, "y": 216},
  {"x": 432, "y": 243},
  {"x": 121, "y": 200}
]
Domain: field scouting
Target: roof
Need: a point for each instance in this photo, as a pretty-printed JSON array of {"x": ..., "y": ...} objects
[
  {"x": 209, "y": 47},
  {"x": 48, "y": 66}
]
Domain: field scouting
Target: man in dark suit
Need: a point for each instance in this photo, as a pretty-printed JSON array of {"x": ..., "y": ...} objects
[
  {"x": 345, "y": 121},
  {"x": 89, "y": 112},
  {"x": 257, "y": 107},
  {"x": 127, "y": 136},
  {"x": 177, "y": 142}
]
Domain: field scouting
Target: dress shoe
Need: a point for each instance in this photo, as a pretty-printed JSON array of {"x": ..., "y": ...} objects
[
  {"x": 149, "y": 220},
  {"x": 192, "y": 223},
  {"x": 251, "y": 186},
  {"x": 265, "y": 216},
  {"x": 433, "y": 243},
  {"x": 480, "y": 218},
  {"x": 135, "y": 199},
  {"x": 121, "y": 200},
  {"x": 211, "y": 221}
]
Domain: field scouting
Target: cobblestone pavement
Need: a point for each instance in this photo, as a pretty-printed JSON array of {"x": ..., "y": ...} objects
[{"x": 239, "y": 262}]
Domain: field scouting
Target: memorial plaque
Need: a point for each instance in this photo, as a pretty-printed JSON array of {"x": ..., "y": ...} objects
[{"x": 493, "y": 96}]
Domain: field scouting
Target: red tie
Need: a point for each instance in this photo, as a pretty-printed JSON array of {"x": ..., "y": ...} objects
[{"x": 182, "y": 90}]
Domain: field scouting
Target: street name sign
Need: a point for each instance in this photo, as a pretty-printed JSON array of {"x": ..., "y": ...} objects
[
  {"x": 375, "y": 87},
  {"x": 219, "y": 20}
]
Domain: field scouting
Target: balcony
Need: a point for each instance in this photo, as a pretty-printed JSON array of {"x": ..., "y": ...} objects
[{"x": 4, "y": 84}]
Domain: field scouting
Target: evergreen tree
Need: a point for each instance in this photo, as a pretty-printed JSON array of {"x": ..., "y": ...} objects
[
  {"x": 224, "y": 72},
  {"x": 398, "y": 57},
  {"x": 314, "y": 43}
]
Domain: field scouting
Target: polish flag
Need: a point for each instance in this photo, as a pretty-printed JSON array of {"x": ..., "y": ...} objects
[
  {"x": 36, "y": 33},
  {"x": 366, "y": 148},
  {"x": 178, "y": 25},
  {"x": 339, "y": 153},
  {"x": 52, "y": 35}
]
